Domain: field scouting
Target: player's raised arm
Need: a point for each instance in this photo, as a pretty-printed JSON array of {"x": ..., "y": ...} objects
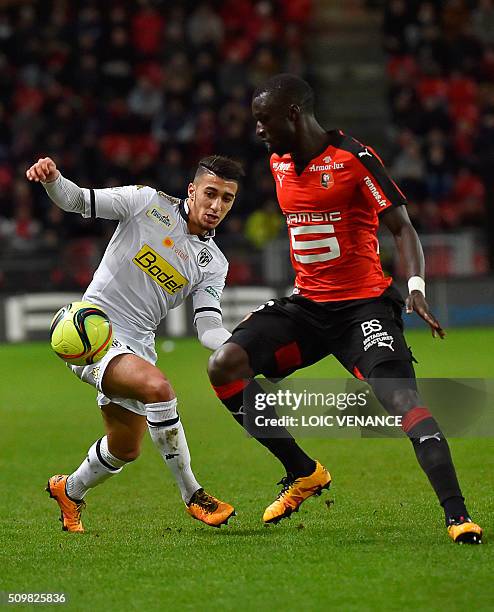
[
  {"x": 112, "y": 203},
  {"x": 411, "y": 253}
]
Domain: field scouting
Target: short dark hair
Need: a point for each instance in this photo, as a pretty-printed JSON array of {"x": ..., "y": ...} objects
[
  {"x": 224, "y": 167},
  {"x": 286, "y": 89}
]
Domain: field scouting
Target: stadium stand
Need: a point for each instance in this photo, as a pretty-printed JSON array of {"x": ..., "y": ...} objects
[
  {"x": 441, "y": 94},
  {"x": 129, "y": 93},
  {"x": 137, "y": 92}
]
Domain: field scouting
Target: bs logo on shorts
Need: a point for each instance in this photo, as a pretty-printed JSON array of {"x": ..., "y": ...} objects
[{"x": 159, "y": 270}]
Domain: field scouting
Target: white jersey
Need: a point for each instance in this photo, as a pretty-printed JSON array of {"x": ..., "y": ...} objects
[{"x": 152, "y": 263}]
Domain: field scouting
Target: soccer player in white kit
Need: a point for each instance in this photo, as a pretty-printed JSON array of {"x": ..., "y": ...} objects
[{"x": 161, "y": 252}]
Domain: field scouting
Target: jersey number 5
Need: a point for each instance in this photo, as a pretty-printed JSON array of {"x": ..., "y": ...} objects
[{"x": 329, "y": 243}]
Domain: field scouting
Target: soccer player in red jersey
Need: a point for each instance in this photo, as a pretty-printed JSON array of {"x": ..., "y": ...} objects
[{"x": 334, "y": 192}]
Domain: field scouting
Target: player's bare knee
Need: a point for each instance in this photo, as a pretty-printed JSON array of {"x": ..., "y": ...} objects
[
  {"x": 228, "y": 363},
  {"x": 156, "y": 389},
  {"x": 127, "y": 453}
]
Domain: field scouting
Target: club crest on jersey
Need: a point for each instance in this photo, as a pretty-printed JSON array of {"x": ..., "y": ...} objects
[
  {"x": 204, "y": 257},
  {"x": 327, "y": 180},
  {"x": 161, "y": 217}
]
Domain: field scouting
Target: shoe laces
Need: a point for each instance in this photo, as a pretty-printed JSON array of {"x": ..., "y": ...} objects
[
  {"x": 458, "y": 520},
  {"x": 204, "y": 500},
  {"x": 79, "y": 508},
  {"x": 286, "y": 482},
  {"x": 74, "y": 520}
]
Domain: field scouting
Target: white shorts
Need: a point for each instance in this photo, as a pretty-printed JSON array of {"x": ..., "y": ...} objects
[{"x": 93, "y": 374}]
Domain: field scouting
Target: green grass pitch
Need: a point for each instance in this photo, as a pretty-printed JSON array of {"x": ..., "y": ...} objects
[{"x": 380, "y": 545}]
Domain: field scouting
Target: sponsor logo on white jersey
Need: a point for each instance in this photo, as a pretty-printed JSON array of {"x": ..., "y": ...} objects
[
  {"x": 375, "y": 192},
  {"x": 160, "y": 216},
  {"x": 175, "y": 201},
  {"x": 212, "y": 291},
  {"x": 157, "y": 268},
  {"x": 204, "y": 257},
  {"x": 180, "y": 253}
]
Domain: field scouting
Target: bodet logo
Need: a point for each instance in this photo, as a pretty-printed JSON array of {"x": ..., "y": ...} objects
[{"x": 159, "y": 270}]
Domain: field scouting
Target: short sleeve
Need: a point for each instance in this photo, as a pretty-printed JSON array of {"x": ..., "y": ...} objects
[
  {"x": 377, "y": 187},
  {"x": 116, "y": 202}
]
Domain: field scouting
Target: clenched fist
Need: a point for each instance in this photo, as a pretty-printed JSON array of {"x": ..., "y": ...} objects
[{"x": 44, "y": 170}]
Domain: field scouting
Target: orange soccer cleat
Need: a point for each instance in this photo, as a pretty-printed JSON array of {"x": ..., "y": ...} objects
[
  {"x": 209, "y": 510},
  {"x": 295, "y": 491},
  {"x": 463, "y": 530},
  {"x": 70, "y": 509}
]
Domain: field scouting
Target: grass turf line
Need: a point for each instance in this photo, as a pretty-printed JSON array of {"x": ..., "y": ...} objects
[{"x": 381, "y": 545}]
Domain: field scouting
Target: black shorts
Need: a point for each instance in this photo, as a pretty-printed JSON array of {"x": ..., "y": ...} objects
[{"x": 294, "y": 332}]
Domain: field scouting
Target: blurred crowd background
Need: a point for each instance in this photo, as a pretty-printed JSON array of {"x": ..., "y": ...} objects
[
  {"x": 127, "y": 92},
  {"x": 441, "y": 96}
]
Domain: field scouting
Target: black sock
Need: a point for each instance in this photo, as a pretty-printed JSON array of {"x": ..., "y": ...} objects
[
  {"x": 435, "y": 459},
  {"x": 455, "y": 509},
  {"x": 433, "y": 454},
  {"x": 275, "y": 438}
]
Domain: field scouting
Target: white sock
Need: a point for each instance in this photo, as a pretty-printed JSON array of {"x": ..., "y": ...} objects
[
  {"x": 168, "y": 435},
  {"x": 98, "y": 466}
]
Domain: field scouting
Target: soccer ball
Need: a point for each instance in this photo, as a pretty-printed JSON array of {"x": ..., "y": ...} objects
[{"x": 81, "y": 333}]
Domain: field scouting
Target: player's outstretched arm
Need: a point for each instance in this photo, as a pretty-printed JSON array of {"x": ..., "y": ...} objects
[
  {"x": 64, "y": 193},
  {"x": 109, "y": 203},
  {"x": 411, "y": 253}
]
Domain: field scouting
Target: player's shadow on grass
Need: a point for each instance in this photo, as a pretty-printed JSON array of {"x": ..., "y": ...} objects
[
  {"x": 232, "y": 532},
  {"x": 332, "y": 536}
]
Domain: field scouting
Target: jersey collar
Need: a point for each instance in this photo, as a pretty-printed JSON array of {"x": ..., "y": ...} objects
[
  {"x": 183, "y": 207},
  {"x": 333, "y": 137}
]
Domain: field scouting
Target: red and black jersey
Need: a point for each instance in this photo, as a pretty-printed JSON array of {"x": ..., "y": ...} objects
[{"x": 332, "y": 210}]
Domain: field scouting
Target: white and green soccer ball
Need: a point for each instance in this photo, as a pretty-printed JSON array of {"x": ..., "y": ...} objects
[{"x": 81, "y": 333}]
